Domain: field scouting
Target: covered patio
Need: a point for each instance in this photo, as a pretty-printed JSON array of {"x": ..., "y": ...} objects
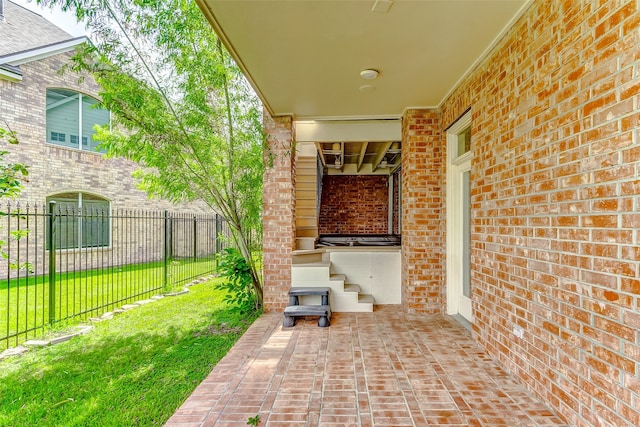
[
  {"x": 386, "y": 368},
  {"x": 500, "y": 141}
]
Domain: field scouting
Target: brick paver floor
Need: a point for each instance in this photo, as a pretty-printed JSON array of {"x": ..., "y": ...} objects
[{"x": 385, "y": 368}]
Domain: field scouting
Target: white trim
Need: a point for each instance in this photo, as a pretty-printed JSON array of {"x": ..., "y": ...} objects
[
  {"x": 455, "y": 166},
  {"x": 80, "y": 123},
  {"x": 8, "y": 75},
  {"x": 63, "y": 100},
  {"x": 348, "y": 130},
  {"x": 343, "y": 118},
  {"x": 461, "y": 159},
  {"x": 77, "y": 97},
  {"x": 30, "y": 55}
]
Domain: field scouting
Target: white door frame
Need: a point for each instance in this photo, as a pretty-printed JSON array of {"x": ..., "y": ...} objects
[{"x": 456, "y": 166}]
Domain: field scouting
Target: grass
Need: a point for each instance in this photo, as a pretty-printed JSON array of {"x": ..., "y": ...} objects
[
  {"x": 24, "y": 302},
  {"x": 133, "y": 370}
]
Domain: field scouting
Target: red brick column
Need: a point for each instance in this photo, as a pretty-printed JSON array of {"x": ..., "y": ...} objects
[
  {"x": 278, "y": 210},
  {"x": 423, "y": 214}
]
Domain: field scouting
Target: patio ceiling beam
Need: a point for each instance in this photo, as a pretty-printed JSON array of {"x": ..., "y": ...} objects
[
  {"x": 363, "y": 151},
  {"x": 349, "y": 131},
  {"x": 319, "y": 150},
  {"x": 381, "y": 154}
]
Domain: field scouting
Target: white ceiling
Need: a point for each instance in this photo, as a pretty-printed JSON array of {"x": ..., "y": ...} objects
[{"x": 304, "y": 57}]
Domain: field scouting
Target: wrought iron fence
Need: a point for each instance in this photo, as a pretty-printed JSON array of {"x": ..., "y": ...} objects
[{"x": 62, "y": 262}]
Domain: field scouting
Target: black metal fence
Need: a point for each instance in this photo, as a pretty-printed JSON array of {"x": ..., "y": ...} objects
[{"x": 62, "y": 262}]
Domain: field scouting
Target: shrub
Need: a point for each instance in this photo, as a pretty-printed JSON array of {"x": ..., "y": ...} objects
[{"x": 237, "y": 282}]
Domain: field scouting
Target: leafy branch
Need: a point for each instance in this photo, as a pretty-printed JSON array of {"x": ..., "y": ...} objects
[
  {"x": 12, "y": 176},
  {"x": 180, "y": 108}
]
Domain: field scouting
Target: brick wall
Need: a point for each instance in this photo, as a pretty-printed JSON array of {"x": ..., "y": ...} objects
[
  {"x": 556, "y": 145},
  {"x": 423, "y": 226},
  {"x": 55, "y": 169},
  {"x": 278, "y": 217},
  {"x": 355, "y": 204}
]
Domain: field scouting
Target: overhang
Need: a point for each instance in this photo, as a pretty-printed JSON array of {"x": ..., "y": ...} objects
[
  {"x": 304, "y": 58},
  {"x": 10, "y": 72},
  {"x": 29, "y": 55}
]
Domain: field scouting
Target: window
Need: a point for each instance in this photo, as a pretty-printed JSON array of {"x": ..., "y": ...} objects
[
  {"x": 59, "y": 137},
  {"x": 464, "y": 141},
  {"x": 71, "y": 117},
  {"x": 79, "y": 217}
]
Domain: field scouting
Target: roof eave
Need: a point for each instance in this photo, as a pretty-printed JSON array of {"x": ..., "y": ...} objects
[
  {"x": 12, "y": 75},
  {"x": 23, "y": 57},
  {"x": 234, "y": 54}
]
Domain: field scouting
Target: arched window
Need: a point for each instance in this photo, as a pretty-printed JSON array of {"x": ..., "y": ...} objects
[
  {"x": 71, "y": 117},
  {"x": 79, "y": 217}
]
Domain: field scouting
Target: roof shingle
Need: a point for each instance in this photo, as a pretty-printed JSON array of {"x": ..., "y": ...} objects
[{"x": 23, "y": 30}]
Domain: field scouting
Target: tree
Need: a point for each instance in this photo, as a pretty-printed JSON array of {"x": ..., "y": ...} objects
[
  {"x": 12, "y": 175},
  {"x": 180, "y": 107}
]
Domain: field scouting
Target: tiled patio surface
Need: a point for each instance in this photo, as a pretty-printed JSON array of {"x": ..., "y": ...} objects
[{"x": 384, "y": 368}]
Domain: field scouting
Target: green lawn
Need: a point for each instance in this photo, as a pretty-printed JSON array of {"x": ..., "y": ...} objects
[
  {"x": 24, "y": 302},
  {"x": 133, "y": 370}
]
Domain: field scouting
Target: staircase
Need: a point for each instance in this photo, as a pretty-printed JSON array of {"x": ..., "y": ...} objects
[
  {"x": 312, "y": 268},
  {"x": 306, "y": 202}
]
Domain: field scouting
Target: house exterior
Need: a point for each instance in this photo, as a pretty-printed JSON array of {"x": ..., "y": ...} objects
[
  {"x": 518, "y": 207},
  {"x": 53, "y": 114}
]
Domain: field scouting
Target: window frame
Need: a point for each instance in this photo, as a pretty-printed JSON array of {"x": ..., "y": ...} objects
[
  {"x": 80, "y": 226},
  {"x": 65, "y": 139}
]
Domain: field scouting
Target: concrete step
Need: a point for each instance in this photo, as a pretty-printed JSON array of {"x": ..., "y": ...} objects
[
  {"x": 306, "y": 178},
  {"x": 312, "y": 268},
  {"x": 306, "y": 222},
  {"x": 366, "y": 299},
  {"x": 305, "y": 243},
  {"x": 306, "y": 211},
  {"x": 351, "y": 302},
  {"x": 350, "y": 287},
  {"x": 308, "y": 256},
  {"x": 306, "y": 197},
  {"x": 307, "y": 163},
  {"x": 308, "y": 169},
  {"x": 306, "y": 217},
  {"x": 310, "y": 274},
  {"x": 306, "y": 186},
  {"x": 338, "y": 278},
  {"x": 307, "y": 231}
]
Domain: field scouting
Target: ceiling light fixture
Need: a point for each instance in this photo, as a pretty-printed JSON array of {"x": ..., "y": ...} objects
[{"x": 369, "y": 74}]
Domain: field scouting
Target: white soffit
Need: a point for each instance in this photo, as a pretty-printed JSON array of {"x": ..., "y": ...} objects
[
  {"x": 304, "y": 58},
  {"x": 348, "y": 131}
]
